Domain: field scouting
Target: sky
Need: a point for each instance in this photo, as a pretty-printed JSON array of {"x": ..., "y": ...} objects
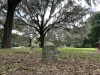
[
  {"x": 93, "y": 8},
  {"x": 98, "y": 8}
]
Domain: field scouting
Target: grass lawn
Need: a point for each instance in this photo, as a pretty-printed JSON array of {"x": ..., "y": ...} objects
[
  {"x": 73, "y": 49},
  {"x": 84, "y": 53},
  {"x": 74, "y": 52},
  {"x": 78, "y": 49},
  {"x": 26, "y": 61},
  {"x": 13, "y": 50}
]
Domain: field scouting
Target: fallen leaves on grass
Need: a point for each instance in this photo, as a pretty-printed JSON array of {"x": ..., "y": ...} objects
[{"x": 29, "y": 63}]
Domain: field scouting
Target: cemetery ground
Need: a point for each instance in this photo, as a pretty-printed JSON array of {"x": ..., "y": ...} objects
[{"x": 27, "y": 61}]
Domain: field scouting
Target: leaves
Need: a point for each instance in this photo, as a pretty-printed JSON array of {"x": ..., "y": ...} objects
[
  {"x": 21, "y": 63},
  {"x": 94, "y": 35}
]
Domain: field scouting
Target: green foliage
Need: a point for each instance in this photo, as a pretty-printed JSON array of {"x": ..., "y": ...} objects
[
  {"x": 64, "y": 38},
  {"x": 94, "y": 36},
  {"x": 19, "y": 40},
  {"x": 0, "y": 44}
]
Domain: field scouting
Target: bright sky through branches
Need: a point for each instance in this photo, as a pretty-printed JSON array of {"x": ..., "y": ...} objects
[{"x": 83, "y": 3}]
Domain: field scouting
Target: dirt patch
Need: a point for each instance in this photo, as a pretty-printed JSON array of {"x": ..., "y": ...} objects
[{"x": 29, "y": 63}]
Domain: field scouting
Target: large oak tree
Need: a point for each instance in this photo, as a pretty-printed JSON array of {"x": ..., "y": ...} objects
[
  {"x": 45, "y": 14},
  {"x": 7, "y": 35}
]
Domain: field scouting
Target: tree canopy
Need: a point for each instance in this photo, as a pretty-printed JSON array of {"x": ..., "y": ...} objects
[
  {"x": 41, "y": 15},
  {"x": 46, "y": 14},
  {"x": 93, "y": 38}
]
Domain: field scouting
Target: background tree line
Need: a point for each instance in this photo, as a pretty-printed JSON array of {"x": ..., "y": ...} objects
[{"x": 39, "y": 18}]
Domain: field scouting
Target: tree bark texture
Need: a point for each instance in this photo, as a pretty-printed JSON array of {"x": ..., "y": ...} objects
[
  {"x": 7, "y": 35},
  {"x": 30, "y": 42},
  {"x": 42, "y": 40}
]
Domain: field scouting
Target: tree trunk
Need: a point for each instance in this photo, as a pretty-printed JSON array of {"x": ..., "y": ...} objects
[
  {"x": 30, "y": 42},
  {"x": 7, "y": 35},
  {"x": 41, "y": 40}
]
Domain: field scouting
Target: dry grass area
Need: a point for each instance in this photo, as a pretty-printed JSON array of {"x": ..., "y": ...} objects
[{"x": 29, "y": 63}]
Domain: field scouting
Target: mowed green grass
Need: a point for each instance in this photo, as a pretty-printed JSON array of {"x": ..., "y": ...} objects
[
  {"x": 77, "y": 49},
  {"x": 64, "y": 50},
  {"x": 13, "y": 50},
  {"x": 73, "y": 49},
  {"x": 86, "y": 53}
]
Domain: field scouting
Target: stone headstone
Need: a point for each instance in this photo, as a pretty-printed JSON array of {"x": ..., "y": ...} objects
[
  {"x": 47, "y": 43},
  {"x": 49, "y": 53}
]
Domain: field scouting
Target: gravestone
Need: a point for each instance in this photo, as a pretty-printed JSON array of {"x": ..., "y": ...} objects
[{"x": 49, "y": 52}]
